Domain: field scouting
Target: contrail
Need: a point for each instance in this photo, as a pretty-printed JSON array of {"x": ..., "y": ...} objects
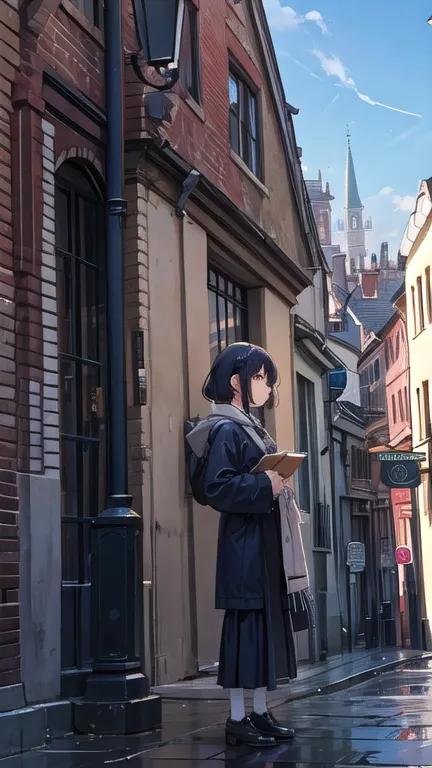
[{"x": 330, "y": 105}]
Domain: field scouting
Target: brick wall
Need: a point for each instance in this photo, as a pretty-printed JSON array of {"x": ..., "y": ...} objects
[{"x": 9, "y": 549}]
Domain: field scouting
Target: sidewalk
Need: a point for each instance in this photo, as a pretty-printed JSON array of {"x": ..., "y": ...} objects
[
  {"x": 327, "y": 676},
  {"x": 384, "y": 720}
]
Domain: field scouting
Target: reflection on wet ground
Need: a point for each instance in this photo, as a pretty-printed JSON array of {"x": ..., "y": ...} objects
[{"x": 386, "y": 721}]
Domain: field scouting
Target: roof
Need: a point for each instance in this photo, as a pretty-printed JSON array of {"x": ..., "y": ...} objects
[
  {"x": 418, "y": 218},
  {"x": 373, "y": 314},
  {"x": 352, "y": 197}
]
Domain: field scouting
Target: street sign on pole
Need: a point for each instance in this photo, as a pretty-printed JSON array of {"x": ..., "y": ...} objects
[
  {"x": 356, "y": 556},
  {"x": 403, "y": 555}
]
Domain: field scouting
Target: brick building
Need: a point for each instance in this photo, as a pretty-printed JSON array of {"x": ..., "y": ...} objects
[{"x": 235, "y": 251}]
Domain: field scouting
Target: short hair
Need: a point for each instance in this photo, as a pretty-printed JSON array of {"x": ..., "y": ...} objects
[{"x": 244, "y": 360}]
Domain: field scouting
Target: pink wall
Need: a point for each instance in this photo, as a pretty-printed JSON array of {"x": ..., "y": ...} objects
[{"x": 397, "y": 383}]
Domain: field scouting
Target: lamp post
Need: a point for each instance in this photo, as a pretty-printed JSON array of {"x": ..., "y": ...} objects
[{"x": 117, "y": 697}]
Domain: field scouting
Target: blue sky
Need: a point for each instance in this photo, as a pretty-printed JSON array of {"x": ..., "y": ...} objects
[{"x": 336, "y": 59}]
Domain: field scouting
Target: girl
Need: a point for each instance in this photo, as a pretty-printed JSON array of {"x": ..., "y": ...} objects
[{"x": 256, "y": 577}]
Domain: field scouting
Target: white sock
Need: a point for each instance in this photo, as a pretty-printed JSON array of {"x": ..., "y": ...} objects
[
  {"x": 237, "y": 704},
  {"x": 260, "y": 701}
]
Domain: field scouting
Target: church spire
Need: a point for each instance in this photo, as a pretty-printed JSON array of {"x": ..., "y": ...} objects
[{"x": 352, "y": 197}]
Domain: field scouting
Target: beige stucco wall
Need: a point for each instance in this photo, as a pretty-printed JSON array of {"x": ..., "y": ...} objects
[
  {"x": 277, "y": 340},
  {"x": 167, "y": 348},
  {"x": 420, "y": 371},
  {"x": 186, "y": 626}
]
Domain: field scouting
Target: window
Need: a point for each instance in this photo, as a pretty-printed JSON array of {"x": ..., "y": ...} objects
[
  {"x": 428, "y": 295},
  {"x": 387, "y": 353},
  {"x": 243, "y": 121},
  {"x": 401, "y": 406},
  {"x": 414, "y": 309},
  {"x": 376, "y": 370},
  {"x": 420, "y": 303},
  {"x": 394, "y": 412},
  {"x": 307, "y": 475},
  {"x": 354, "y": 223},
  {"x": 92, "y": 10},
  {"x": 228, "y": 312},
  {"x": 79, "y": 238},
  {"x": 360, "y": 464},
  {"x": 407, "y": 407},
  {"x": 419, "y": 414},
  {"x": 189, "y": 52},
  {"x": 427, "y": 418},
  {"x": 397, "y": 345}
]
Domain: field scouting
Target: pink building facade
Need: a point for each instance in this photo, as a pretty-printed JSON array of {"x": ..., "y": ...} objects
[{"x": 394, "y": 337}]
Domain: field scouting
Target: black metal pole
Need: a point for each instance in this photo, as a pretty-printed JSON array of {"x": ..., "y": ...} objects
[
  {"x": 115, "y": 213},
  {"x": 117, "y": 696}
]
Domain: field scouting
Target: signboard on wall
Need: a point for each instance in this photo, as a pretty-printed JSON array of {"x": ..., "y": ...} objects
[
  {"x": 356, "y": 556},
  {"x": 403, "y": 556},
  {"x": 400, "y": 470}
]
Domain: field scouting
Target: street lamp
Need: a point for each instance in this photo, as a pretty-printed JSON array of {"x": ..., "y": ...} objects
[
  {"x": 117, "y": 696},
  {"x": 159, "y": 26}
]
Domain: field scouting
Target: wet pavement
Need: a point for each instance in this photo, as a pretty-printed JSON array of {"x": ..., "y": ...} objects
[{"x": 385, "y": 721}]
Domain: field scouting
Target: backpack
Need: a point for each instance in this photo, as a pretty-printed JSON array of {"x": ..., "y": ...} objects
[{"x": 196, "y": 464}]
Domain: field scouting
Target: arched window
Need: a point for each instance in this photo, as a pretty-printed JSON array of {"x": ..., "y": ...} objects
[
  {"x": 354, "y": 222},
  {"x": 82, "y": 352}
]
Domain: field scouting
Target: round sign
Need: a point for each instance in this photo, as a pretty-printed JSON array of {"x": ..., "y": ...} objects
[
  {"x": 399, "y": 473},
  {"x": 403, "y": 556}
]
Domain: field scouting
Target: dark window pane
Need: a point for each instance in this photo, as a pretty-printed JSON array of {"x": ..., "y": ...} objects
[
  {"x": 65, "y": 304},
  {"x": 68, "y": 398},
  {"x": 222, "y": 323},
  {"x": 212, "y": 278},
  {"x": 88, "y": 231},
  {"x": 189, "y": 52},
  {"x": 90, "y": 9},
  {"x": 63, "y": 217},
  {"x": 231, "y": 325},
  {"x": 69, "y": 479},
  {"x": 88, "y": 286},
  {"x": 234, "y": 132},
  {"x": 70, "y": 553}
]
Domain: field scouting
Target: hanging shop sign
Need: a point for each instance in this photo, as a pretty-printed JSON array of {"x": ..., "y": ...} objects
[
  {"x": 400, "y": 470},
  {"x": 403, "y": 555}
]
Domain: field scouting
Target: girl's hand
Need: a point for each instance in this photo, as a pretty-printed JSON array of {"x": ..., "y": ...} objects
[{"x": 276, "y": 481}]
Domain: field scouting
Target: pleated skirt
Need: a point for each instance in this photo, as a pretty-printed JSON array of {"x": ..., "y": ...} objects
[{"x": 257, "y": 647}]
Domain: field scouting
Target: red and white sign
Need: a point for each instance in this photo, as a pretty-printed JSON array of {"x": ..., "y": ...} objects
[{"x": 403, "y": 556}]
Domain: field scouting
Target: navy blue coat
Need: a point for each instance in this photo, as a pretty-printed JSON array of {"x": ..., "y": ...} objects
[{"x": 244, "y": 501}]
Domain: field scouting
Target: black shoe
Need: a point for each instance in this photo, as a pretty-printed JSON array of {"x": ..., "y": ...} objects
[
  {"x": 242, "y": 733},
  {"x": 269, "y": 726}
]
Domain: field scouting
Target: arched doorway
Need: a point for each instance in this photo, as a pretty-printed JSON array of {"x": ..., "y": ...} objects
[{"x": 82, "y": 354}]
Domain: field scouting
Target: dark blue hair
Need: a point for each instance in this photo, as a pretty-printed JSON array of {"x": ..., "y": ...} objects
[{"x": 244, "y": 360}]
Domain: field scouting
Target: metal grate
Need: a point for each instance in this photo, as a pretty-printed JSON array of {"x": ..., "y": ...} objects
[{"x": 322, "y": 527}]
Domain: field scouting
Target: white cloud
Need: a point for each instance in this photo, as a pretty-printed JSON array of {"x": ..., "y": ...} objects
[
  {"x": 283, "y": 17},
  {"x": 385, "y": 191},
  {"x": 334, "y": 67},
  {"x": 319, "y": 21},
  {"x": 404, "y": 203}
]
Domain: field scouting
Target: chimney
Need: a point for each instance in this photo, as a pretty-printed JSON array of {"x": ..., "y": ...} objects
[{"x": 369, "y": 284}]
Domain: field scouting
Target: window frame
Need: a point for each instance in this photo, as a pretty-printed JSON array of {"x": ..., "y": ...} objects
[
  {"x": 241, "y": 305},
  {"x": 196, "y": 96},
  {"x": 414, "y": 309},
  {"x": 422, "y": 324},
  {"x": 428, "y": 293},
  {"x": 236, "y": 71},
  {"x": 98, "y": 15}
]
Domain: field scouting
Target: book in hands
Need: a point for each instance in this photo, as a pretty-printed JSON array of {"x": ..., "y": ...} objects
[{"x": 284, "y": 462}]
